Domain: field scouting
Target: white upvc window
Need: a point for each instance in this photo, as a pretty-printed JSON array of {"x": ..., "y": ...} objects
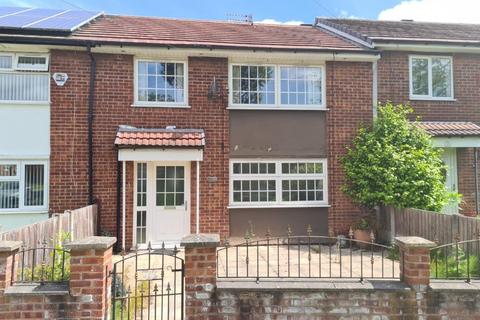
[
  {"x": 24, "y": 78},
  {"x": 278, "y": 183},
  {"x": 431, "y": 77},
  {"x": 257, "y": 86},
  {"x": 160, "y": 83},
  {"x": 23, "y": 185}
]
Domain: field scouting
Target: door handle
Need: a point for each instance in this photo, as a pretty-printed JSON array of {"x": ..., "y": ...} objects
[{"x": 186, "y": 204}]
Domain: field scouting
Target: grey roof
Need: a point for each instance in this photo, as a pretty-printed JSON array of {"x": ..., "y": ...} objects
[{"x": 405, "y": 31}]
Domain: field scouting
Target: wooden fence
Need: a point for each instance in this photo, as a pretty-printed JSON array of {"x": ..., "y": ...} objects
[
  {"x": 80, "y": 223},
  {"x": 434, "y": 226}
]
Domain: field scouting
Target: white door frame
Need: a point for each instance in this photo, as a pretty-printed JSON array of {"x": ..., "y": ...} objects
[
  {"x": 151, "y": 165},
  {"x": 449, "y": 156}
]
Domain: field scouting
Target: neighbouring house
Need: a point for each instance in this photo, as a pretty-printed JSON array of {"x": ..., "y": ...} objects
[
  {"x": 177, "y": 126},
  {"x": 436, "y": 68}
]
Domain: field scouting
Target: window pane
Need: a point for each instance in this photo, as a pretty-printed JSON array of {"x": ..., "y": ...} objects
[
  {"x": 142, "y": 184},
  {"x": 9, "y": 194},
  {"x": 34, "y": 185},
  {"x": 24, "y": 86},
  {"x": 31, "y": 63},
  {"x": 5, "y": 62},
  {"x": 253, "y": 85},
  {"x": 165, "y": 82},
  {"x": 420, "y": 76},
  {"x": 301, "y": 85},
  {"x": 8, "y": 170},
  {"x": 141, "y": 226},
  {"x": 441, "y": 77}
]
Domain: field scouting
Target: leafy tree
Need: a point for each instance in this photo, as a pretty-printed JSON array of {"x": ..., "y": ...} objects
[{"x": 394, "y": 163}]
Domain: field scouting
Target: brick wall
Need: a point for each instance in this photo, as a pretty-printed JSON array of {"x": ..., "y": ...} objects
[
  {"x": 86, "y": 296},
  {"x": 349, "y": 99},
  {"x": 393, "y": 85},
  {"x": 113, "y": 98}
]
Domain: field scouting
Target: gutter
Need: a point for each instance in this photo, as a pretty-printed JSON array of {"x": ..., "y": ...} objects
[{"x": 91, "y": 100}]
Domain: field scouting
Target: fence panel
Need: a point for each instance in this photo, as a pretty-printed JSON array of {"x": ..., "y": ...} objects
[
  {"x": 80, "y": 223},
  {"x": 434, "y": 226}
]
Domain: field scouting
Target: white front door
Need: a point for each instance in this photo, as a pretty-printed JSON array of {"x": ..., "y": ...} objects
[
  {"x": 449, "y": 157},
  {"x": 165, "y": 216}
]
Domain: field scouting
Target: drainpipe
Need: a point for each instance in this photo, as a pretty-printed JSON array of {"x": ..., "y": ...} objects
[
  {"x": 91, "y": 95},
  {"x": 475, "y": 173}
]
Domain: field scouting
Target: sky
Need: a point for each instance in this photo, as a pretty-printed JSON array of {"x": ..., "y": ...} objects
[{"x": 276, "y": 11}]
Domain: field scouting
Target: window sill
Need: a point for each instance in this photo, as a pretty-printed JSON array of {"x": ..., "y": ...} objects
[
  {"x": 230, "y": 107},
  {"x": 10, "y": 212},
  {"x": 27, "y": 103},
  {"x": 140, "y": 105},
  {"x": 278, "y": 206},
  {"x": 432, "y": 99}
]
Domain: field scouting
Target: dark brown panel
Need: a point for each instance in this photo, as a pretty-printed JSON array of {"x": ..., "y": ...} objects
[
  {"x": 278, "y": 220},
  {"x": 277, "y": 133}
]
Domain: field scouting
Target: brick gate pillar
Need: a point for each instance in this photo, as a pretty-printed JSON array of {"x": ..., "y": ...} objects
[
  {"x": 90, "y": 281},
  {"x": 415, "y": 261},
  {"x": 7, "y": 268},
  {"x": 200, "y": 275}
]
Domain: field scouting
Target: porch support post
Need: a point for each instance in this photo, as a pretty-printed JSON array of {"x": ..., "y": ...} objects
[
  {"x": 124, "y": 201},
  {"x": 197, "y": 206}
]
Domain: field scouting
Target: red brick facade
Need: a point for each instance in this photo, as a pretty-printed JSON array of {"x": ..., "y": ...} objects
[
  {"x": 349, "y": 99},
  {"x": 113, "y": 99},
  {"x": 393, "y": 85}
]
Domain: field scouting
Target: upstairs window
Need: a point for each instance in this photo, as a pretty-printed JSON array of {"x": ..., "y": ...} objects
[
  {"x": 24, "y": 78},
  {"x": 276, "y": 86},
  {"x": 160, "y": 83},
  {"x": 431, "y": 77}
]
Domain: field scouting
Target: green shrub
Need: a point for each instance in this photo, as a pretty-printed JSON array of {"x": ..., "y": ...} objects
[
  {"x": 442, "y": 266},
  {"x": 56, "y": 268},
  {"x": 393, "y": 162}
]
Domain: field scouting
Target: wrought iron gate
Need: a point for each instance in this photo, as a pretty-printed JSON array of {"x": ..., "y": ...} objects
[{"x": 148, "y": 284}]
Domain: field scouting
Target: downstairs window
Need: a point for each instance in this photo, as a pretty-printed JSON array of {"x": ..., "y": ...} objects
[{"x": 278, "y": 183}]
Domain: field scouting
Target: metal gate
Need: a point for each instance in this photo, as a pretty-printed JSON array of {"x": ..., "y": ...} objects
[{"x": 148, "y": 284}]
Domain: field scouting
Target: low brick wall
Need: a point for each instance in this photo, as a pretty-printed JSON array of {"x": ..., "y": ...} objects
[
  {"x": 412, "y": 297},
  {"x": 85, "y": 296},
  {"x": 370, "y": 300}
]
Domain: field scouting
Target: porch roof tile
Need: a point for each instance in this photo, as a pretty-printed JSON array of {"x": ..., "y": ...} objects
[
  {"x": 142, "y": 137},
  {"x": 447, "y": 129}
]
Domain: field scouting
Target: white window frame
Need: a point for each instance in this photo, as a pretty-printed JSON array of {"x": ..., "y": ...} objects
[
  {"x": 278, "y": 177},
  {"x": 166, "y": 104},
  {"x": 9, "y": 54},
  {"x": 21, "y": 178},
  {"x": 44, "y": 67},
  {"x": 277, "y": 105},
  {"x": 429, "y": 96},
  {"x": 27, "y": 71}
]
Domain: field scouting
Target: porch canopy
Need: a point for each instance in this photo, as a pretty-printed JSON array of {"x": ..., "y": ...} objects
[
  {"x": 160, "y": 144},
  {"x": 447, "y": 134},
  {"x": 166, "y": 144}
]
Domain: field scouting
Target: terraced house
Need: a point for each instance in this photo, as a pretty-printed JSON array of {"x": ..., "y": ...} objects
[
  {"x": 435, "y": 68},
  {"x": 181, "y": 126}
]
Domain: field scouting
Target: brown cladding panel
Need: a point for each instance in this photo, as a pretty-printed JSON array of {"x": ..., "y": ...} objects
[
  {"x": 278, "y": 220},
  {"x": 277, "y": 133}
]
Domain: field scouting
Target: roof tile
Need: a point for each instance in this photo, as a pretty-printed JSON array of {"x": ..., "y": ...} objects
[
  {"x": 163, "y": 31},
  {"x": 137, "y": 137},
  {"x": 445, "y": 129}
]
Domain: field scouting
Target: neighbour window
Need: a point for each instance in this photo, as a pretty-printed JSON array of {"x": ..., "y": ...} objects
[
  {"x": 431, "y": 77},
  {"x": 279, "y": 182},
  {"x": 23, "y": 185},
  {"x": 160, "y": 83},
  {"x": 24, "y": 78},
  {"x": 276, "y": 86}
]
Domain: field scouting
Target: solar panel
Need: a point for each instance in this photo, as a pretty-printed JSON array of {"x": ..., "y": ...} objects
[
  {"x": 66, "y": 20},
  {"x": 48, "y": 19},
  {"x": 9, "y": 10}
]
